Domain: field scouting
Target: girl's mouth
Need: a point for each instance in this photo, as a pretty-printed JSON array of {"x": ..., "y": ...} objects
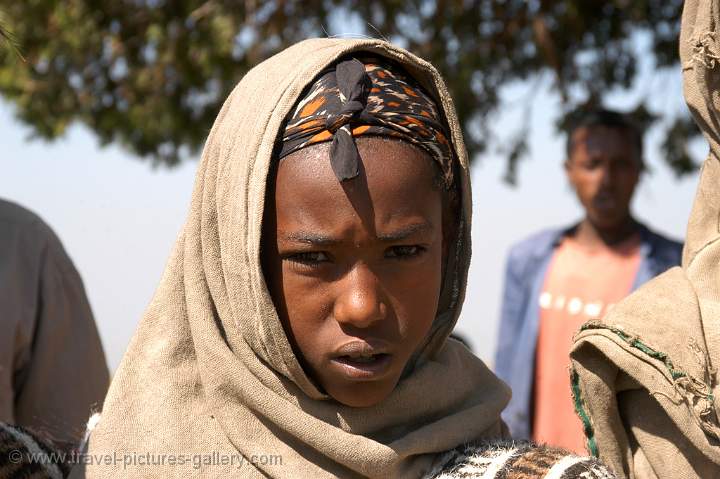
[{"x": 366, "y": 367}]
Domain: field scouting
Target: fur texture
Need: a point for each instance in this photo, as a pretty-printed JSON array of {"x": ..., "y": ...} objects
[{"x": 515, "y": 460}]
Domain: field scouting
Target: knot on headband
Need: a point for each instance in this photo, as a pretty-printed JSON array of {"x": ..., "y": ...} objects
[
  {"x": 354, "y": 87},
  {"x": 353, "y": 98}
]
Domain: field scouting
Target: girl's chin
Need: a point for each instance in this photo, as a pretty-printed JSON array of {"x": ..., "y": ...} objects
[{"x": 362, "y": 394}]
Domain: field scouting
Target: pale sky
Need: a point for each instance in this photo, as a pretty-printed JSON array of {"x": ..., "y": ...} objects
[{"x": 118, "y": 217}]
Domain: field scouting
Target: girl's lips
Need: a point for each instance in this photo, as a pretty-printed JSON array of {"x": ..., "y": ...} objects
[{"x": 363, "y": 369}]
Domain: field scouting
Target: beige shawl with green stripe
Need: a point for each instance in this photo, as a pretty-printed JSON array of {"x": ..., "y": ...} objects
[{"x": 645, "y": 376}]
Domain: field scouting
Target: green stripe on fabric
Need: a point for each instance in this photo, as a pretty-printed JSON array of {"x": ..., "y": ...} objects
[
  {"x": 580, "y": 411},
  {"x": 639, "y": 345}
]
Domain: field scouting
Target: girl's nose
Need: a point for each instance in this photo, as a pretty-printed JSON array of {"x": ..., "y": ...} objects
[{"x": 360, "y": 302}]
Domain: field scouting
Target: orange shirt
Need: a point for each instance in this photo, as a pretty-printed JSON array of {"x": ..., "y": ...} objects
[{"x": 580, "y": 285}]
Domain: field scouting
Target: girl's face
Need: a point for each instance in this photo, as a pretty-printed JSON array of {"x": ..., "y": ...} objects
[{"x": 355, "y": 268}]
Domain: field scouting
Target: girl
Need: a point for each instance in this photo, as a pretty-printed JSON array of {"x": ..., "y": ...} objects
[{"x": 300, "y": 327}]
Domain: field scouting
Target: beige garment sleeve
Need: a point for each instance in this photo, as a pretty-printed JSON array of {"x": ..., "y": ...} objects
[{"x": 61, "y": 373}]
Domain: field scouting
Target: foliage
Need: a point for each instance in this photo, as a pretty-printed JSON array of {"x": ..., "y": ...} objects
[{"x": 151, "y": 74}]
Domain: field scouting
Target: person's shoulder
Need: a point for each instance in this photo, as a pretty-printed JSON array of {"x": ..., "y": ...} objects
[
  {"x": 18, "y": 216},
  {"x": 536, "y": 244},
  {"x": 15, "y": 217},
  {"x": 663, "y": 246},
  {"x": 29, "y": 230}
]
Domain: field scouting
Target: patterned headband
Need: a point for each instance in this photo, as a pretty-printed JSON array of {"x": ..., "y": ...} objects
[{"x": 354, "y": 99}]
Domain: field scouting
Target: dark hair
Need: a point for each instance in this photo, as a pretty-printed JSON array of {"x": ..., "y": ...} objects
[{"x": 607, "y": 118}]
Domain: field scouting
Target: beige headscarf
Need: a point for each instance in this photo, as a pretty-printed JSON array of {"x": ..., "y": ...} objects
[
  {"x": 645, "y": 380},
  {"x": 210, "y": 370}
]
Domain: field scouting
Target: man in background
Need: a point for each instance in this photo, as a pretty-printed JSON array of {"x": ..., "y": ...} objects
[
  {"x": 52, "y": 366},
  {"x": 558, "y": 279}
]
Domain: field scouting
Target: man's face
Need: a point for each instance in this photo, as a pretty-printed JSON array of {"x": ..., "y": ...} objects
[
  {"x": 604, "y": 169},
  {"x": 354, "y": 268}
]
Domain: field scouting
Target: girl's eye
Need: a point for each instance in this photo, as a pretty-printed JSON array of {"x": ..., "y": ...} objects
[
  {"x": 404, "y": 252},
  {"x": 309, "y": 258}
]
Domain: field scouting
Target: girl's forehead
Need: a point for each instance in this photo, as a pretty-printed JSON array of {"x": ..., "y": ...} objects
[
  {"x": 382, "y": 161},
  {"x": 395, "y": 180}
]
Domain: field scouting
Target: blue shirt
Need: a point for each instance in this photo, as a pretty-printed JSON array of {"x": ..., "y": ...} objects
[{"x": 525, "y": 272}]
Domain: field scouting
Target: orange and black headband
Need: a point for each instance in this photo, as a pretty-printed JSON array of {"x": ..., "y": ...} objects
[{"x": 355, "y": 98}]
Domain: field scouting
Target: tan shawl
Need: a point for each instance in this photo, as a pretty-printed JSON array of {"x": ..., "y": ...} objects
[
  {"x": 645, "y": 379},
  {"x": 210, "y": 371}
]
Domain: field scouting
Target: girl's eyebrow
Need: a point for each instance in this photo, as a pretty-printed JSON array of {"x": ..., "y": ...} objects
[
  {"x": 405, "y": 231},
  {"x": 310, "y": 237}
]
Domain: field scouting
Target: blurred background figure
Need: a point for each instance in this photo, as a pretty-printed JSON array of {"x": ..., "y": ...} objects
[
  {"x": 560, "y": 278},
  {"x": 52, "y": 365}
]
